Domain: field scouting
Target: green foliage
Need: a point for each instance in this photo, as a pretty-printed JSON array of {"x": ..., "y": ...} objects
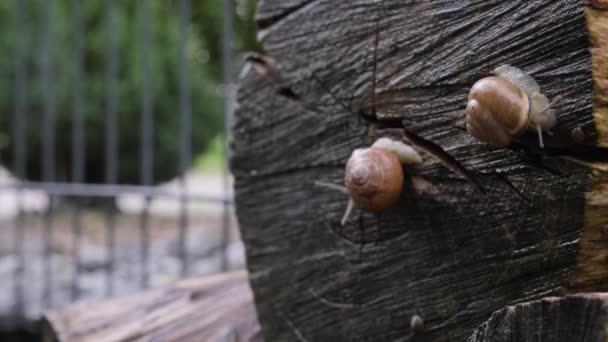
[
  {"x": 213, "y": 158},
  {"x": 164, "y": 56},
  {"x": 207, "y": 21}
]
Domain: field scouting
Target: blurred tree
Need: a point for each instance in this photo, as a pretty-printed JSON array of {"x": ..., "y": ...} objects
[
  {"x": 204, "y": 70},
  {"x": 207, "y": 17}
]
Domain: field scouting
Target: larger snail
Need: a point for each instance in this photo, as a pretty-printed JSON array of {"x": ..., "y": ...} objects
[
  {"x": 503, "y": 106},
  {"x": 374, "y": 176}
]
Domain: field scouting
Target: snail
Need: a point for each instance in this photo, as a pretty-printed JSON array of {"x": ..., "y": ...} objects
[
  {"x": 417, "y": 324},
  {"x": 374, "y": 175},
  {"x": 503, "y": 106}
]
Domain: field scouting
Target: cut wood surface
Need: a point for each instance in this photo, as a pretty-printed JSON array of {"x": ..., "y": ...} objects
[
  {"x": 447, "y": 251},
  {"x": 214, "y": 308},
  {"x": 580, "y": 318}
]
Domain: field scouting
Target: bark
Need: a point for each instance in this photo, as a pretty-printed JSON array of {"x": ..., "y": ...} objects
[{"x": 447, "y": 251}]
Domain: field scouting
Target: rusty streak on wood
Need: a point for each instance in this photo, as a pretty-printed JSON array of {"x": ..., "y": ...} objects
[
  {"x": 592, "y": 269},
  {"x": 213, "y": 308},
  {"x": 597, "y": 22}
]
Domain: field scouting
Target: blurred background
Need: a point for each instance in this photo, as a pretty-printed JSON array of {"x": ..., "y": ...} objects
[{"x": 113, "y": 129}]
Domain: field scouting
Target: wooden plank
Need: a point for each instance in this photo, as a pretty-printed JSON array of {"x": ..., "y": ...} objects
[
  {"x": 446, "y": 252},
  {"x": 577, "y": 318},
  {"x": 214, "y": 308}
]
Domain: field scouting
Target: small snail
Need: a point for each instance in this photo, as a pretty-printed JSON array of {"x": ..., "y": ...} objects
[
  {"x": 374, "y": 175},
  {"x": 503, "y": 106},
  {"x": 417, "y": 324}
]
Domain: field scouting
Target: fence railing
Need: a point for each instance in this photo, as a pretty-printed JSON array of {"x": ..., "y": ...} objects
[{"x": 53, "y": 265}]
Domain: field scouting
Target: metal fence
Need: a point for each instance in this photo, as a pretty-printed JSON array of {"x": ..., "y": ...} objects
[{"x": 63, "y": 276}]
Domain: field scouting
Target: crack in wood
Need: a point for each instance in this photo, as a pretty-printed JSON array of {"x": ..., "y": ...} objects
[
  {"x": 268, "y": 68},
  {"x": 333, "y": 304},
  {"x": 290, "y": 171},
  {"x": 294, "y": 329},
  {"x": 399, "y": 123},
  {"x": 509, "y": 183},
  {"x": 443, "y": 156},
  {"x": 265, "y": 23}
]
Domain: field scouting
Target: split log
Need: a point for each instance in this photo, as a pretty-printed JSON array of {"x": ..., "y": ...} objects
[
  {"x": 446, "y": 251},
  {"x": 214, "y": 308},
  {"x": 581, "y": 318}
]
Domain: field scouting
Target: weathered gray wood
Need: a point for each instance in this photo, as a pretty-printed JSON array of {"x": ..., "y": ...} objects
[
  {"x": 579, "y": 318},
  {"x": 213, "y": 308},
  {"x": 446, "y": 251}
]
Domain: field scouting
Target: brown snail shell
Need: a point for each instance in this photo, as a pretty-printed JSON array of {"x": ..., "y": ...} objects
[
  {"x": 505, "y": 105},
  {"x": 374, "y": 178},
  {"x": 497, "y": 110}
]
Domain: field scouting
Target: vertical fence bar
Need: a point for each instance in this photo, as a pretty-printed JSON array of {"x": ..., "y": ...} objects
[
  {"x": 19, "y": 150},
  {"x": 147, "y": 141},
  {"x": 48, "y": 143},
  {"x": 19, "y": 272},
  {"x": 78, "y": 138},
  {"x": 227, "y": 58},
  {"x": 111, "y": 135},
  {"x": 185, "y": 130}
]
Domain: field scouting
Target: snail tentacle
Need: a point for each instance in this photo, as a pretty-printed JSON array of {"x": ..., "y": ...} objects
[{"x": 349, "y": 209}]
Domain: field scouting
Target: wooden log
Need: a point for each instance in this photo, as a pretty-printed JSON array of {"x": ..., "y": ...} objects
[
  {"x": 556, "y": 319},
  {"x": 446, "y": 251},
  {"x": 213, "y": 308}
]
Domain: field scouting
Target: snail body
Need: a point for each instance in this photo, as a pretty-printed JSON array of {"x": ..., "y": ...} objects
[{"x": 503, "y": 106}]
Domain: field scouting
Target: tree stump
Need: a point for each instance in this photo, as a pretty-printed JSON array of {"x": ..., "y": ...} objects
[
  {"x": 450, "y": 251},
  {"x": 581, "y": 318}
]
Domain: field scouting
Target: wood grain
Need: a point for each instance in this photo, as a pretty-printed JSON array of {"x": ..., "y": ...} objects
[
  {"x": 446, "y": 251},
  {"x": 581, "y": 318},
  {"x": 213, "y": 308}
]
